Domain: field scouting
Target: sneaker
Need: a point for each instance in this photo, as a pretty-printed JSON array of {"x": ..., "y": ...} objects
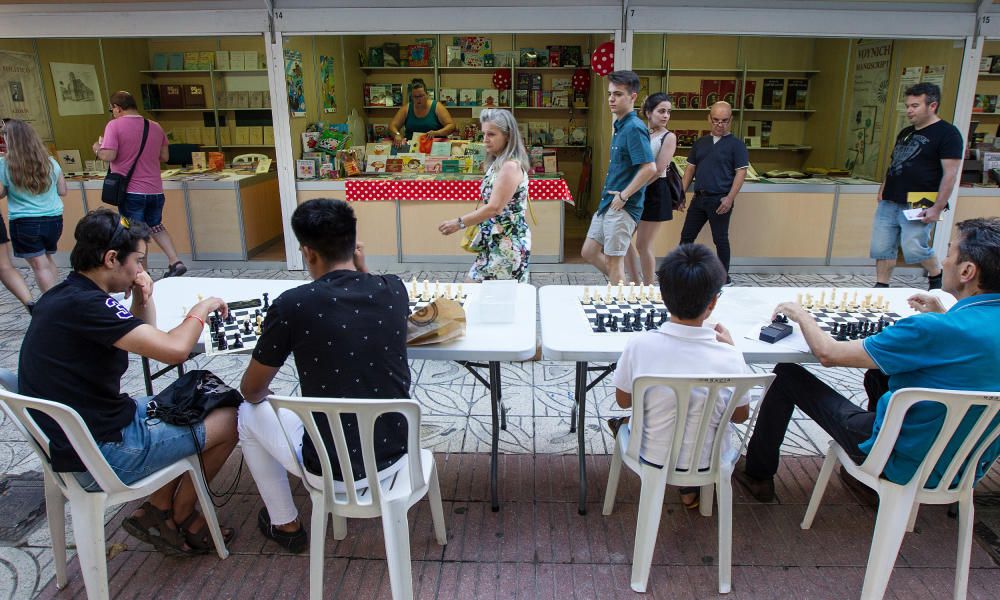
[
  {"x": 176, "y": 270},
  {"x": 934, "y": 281},
  {"x": 761, "y": 489},
  {"x": 293, "y": 541},
  {"x": 881, "y": 285}
]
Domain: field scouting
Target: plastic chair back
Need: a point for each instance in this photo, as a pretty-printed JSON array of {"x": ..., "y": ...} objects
[
  {"x": 682, "y": 387},
  {"x": 366, "y": 410},
  {"x": 957, "y": 405},
  {"x": 248, "y": 158}
]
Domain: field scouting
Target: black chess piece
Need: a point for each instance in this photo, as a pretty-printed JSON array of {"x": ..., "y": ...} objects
[
  {"x": 600, "y": 324},
  {"x": 223, "y": 343},
  {"x": 246, "y": 327},
  {"x": 626, "y": 322},
  {"x": 834, "y": 329},
  {"x": 779, "y": 318},
  {"x": 267, "y": 302},
  {"x": 214, "y": 322},
  {"x": 663, "y": 318},
  {"x": 230, "y": 318},
  {"x": 238, "y": 342},
  {"x": 613, "y": 325}
]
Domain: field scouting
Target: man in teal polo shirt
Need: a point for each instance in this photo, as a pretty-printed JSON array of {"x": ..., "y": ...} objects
[
  {"x": 954, "y": 349},
  {"x": 630, "y": 168}
]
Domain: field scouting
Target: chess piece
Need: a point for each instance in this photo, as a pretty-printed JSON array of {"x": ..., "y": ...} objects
[
  {"x": 621, "y": 293},
  {"x": 437, "y": 289},
  {"x": 238, "y": 341},
  {"x": 413, "y": 287},
  {"x": 246, "y": 326},
  {"x": 447, "y": 291},
  {"x": 854, "y": 299},
  {"x": 663, "y": 317},
  {"x": 626, "y": 322},
  {"x": 461, "y": 293},
  {"x": 885, "y": 307},
  {"x": 613, "y": 323},
  {"x": 637, "y": 321},
  {"x": 822, "y": 298},
  {"x": 230, "y": 318},
  {"x": 222, "y": 342},
  {"x": 650, "y": 324},
  {"x": 658, "y": 297},
  {"x": 267, "y": 302},
  {"x": 600, "y": 324}
]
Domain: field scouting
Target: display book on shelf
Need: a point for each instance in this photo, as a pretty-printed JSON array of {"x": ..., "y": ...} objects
[{"x": 184, "y": 95}]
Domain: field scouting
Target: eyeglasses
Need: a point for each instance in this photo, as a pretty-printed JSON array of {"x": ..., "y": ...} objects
[{"x": 721, "y": 121}]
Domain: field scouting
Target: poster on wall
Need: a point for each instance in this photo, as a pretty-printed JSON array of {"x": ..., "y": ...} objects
[
  {"x": 293, "y": 81},
  {"x": 326, "y": 80},
  {"x": 21, "y": 95},
  {"x": 909, "y": 77},
  {"x": 872, "y": 59},
  {"x": 934, "y": 74},
  {"x": 78, "y": 91}
]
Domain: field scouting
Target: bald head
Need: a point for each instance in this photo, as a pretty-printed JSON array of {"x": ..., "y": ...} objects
[{"x": 720, "y": 116}]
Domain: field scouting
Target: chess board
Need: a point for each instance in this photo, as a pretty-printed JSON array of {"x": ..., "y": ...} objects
[
  {"x": 416, "y": 303},
  {"x": 619, "y": 309},
  {"x": 826, "y": 317},
  {"x": 240, "y": 316}
]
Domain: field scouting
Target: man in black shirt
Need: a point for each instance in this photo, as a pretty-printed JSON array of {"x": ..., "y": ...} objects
[
  {"x": 926, "y": 159},
  {"x": 75, "y": 352},
  {"x": 347, "y": 331},
  {"x": 718, "y": 164}
]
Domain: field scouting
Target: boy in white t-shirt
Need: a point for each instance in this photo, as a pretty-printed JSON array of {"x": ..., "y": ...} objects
[{"x": 691, "y": 279}]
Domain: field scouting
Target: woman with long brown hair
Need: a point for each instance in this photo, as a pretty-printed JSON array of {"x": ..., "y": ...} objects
[{"x": 33, "y": 183}]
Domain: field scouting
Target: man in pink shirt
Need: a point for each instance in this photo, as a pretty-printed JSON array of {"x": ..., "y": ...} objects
[{"x": 144, "y": 199}]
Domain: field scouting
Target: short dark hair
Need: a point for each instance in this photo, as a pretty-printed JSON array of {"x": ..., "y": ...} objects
[
  {"x": 979, "y": 243},
  {"x": 123, "y": 100},
  {"x": 654, "y": 100},
  {"x": 102, "y": 230},
  {"x": 690, "y": 277},
  {"x": 327, "y": 226},
  {"x": 930, "y": 90},
  {"x": 417, "y": 83},
  {"x": 627, "y": 78}
]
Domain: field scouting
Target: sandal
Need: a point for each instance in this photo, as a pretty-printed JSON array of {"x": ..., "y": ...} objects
[
  {"x": 200, "y": 541},
  {"x": 615, "y": 423},
  {"x": 154, "y": 527},
  {"x": 176, "y": 270},
  {"x": 690, "y": 497}
]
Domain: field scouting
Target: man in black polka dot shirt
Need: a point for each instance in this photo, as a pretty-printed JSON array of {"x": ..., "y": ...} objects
[{"x": 347, "y": 332}]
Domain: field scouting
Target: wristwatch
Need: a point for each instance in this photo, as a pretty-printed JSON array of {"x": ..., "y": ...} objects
[{"x": 461, "y": 223}]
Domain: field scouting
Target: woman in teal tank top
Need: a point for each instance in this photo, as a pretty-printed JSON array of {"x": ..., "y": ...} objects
[{"x": 421, "y": 115}]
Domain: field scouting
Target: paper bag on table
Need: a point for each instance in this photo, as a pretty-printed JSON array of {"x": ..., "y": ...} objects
[{"x": 440, "y": 321}]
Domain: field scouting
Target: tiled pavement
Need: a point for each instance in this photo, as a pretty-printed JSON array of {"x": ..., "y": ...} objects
[{"x": 538, "y": 546}]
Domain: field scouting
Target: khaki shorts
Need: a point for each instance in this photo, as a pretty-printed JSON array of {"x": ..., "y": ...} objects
[{"x": 613, "y": 230}]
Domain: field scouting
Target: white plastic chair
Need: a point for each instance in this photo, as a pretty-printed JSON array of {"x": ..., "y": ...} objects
[
  {"x": 248, "y": 158},
  {"x": 898, "y": 504},
  {"x": 390, "y": 499},
  {"x": 87, "y": 508},
  {"x": 654, "y": 481}
]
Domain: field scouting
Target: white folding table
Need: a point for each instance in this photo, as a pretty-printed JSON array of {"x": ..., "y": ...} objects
[
  {"x": 484, "y": 346},
  {"x": 567, "y": 336}
]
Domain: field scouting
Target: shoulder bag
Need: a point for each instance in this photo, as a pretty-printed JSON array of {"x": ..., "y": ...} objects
[
  {"x": 116, "y": 184},
  {"x": 674, "y": 180}
]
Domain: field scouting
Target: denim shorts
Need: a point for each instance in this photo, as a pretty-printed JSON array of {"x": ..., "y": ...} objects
[
  {"x": 146, "y": 447},
  {"x": 613, "y": 230},
  {"x": 891, "y": 230},
  {"x": 35, "y": 236},
  {"x": 147, "y": 208}
]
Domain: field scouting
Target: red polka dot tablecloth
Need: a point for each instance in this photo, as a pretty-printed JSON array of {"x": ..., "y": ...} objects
[{"x": 455, "y": 191}]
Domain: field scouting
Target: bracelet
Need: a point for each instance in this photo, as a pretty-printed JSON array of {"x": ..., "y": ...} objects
[
  {"x": 461, "y": 223},
  {"x": 197, "y": 318}
]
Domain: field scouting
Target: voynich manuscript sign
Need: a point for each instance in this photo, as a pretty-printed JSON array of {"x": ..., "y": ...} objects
[
  {"x": 21, "y": 95},
  {"x": 872, "y": 59}
]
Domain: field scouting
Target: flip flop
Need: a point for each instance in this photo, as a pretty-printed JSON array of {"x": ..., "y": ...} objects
[{"x": 154, "y": 528}]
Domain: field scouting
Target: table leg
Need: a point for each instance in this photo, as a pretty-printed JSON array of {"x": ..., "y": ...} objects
[
  {"x": 579, "y": 408},
  {"x": 147, "y": 376},
  {"x": 497, "y": 405}
]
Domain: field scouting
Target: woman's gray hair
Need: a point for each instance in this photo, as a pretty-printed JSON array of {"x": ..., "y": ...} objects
[{"x": 514, "y": 150}]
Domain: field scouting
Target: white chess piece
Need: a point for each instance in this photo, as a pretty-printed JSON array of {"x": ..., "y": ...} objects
[
  {"x": 461, "y": 293},
  {"x": 621, "y": 284},
  {"x": 413, "y": 287},
  {"x": 447, "y": 291},
  {"x": 437, "y": 289},
  {"x": 798, "y": 298}
]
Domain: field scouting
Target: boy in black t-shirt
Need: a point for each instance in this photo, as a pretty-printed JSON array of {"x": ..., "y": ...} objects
[
  {"x": 927, "y": 158},
  {"x": 75, "y": 352},
  {"x": 347, "y": 331}
]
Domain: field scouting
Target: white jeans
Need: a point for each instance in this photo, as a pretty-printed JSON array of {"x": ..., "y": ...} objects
[{"x": 270, "y": 459}]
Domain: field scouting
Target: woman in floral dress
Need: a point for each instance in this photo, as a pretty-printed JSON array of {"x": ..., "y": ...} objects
[{"x": 504, "y": 240}]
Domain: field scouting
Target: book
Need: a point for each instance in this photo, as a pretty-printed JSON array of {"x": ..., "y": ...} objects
[
  {"x": 216, "y": 161},
  {"x": 694, "y": 100},
  {"x": 190, "y": 61},
  {"x": 394, "y": 165},
  {"x": 571, "y": 56},
  {"x": 538, "y": 133},
  {"x": 418, "y": 55},
  {"x": 175, "y": 61},
  {"x": 433, "y": 164},
  {"x": 773, "y": 93},
  {"x": 379, "y": 94},
  {"x": 256, "y": 99},
  {"x": 413, "y": 162},
  {"x": 522, "y": 128},
  {"x": 990, "y": 105},
  {"x": 70, "y": 161},
  {"x": 160, "y": 61},
  {"x": 543, "y": 57},
  {"x": 521, "y": 98},
  {"x": 268, "y": 135},
  {"x": 560, "y": 98},
  {"x": 390, "y": 54},
  {"x": 171, "y": 95},
  {"x": 226, "y": 136},
  {"x": 375, "y": 56},
  {"x": 380, "y": 131},
  {"x": 256, "y": 135},
  {"x": 250, "y": 60},
  {"x": 236, "y": 61},
  {"x": 562, "y": 83},
  {"x": 710, "y": 91},
  {"x": 577, "y": 136},
  {"x": 490, "y": 97},
  {"x": 448, "y": 96},
  {"x": 727, "y": 92},
  {"x": 536, "y": 155},
  {"x": 681, "y": 99},
  {"x": 977, "y": 103},
  {"x": 550, "y": 164},
  {"x": 199, "y": 161},
  {"x": 474, "y": 49},
  {"x": 396, "y": 95},
  {"x": 193, "y": 95},
  {"x": 305, "y": 169},
  {"x": 454, "y": 56},
  {"x": 555, "y": 55},
  {"x": 241, "y": 136},
  {"x": 749, "y": 93},
  {"x": 310, "y": 140},
  {"x": 450, "y": 165},
  {"x": 441, "y": 149},
  {"x": 528, "y": 58},
  {"x": 326, "y": 171},
  {"x": 797, "y": 94},
  {"x": 206, "y": 60},
  {"x": 376, "y": 156},
  {"x": 765, "y": 134},
  {"x": 560, "y": 135},
  {"x": 150, "y": 96},
  {"x": 468, "y": 97},
  {"x": 536, "y": 81},
  {"x": 222, "y": 60}
]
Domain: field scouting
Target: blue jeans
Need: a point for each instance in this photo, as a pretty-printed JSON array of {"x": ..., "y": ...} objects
[
  {"x": 35, "y": 236},
  {"x": 892, "y": 229},
  {"x": 147, "y": 208},
  {"x": 146, "y": 447}
]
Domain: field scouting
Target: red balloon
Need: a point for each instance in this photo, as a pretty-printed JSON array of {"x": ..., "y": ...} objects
[
  {"x": 602, "y": 60},
  {"x": 581, "y": 81},
  {"x": 501, "y": 79}
]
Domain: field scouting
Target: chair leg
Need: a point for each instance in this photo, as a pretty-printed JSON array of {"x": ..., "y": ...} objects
[
  {"x": 706, "y": 497},
  {"x": 88, "y": 533},
  {"x": 912, "y": 521},
  {"x": 339, "y": 527},
  {"x": 725, "y": 535},
  {"x": 966, "y": 513},
  {"x": 614, "y": 474},
  {"x": 437, "y": 509},
  {"x": 208, "y": 509},
  {"x": 55, "y": 512},
  {"x": 820, "y": 488},
  {"x": 397, "y": 550},
  {"x": 648, "y": 525},
  {"x": 890, "y": 527},
  {"x": 317, "y": 542}
]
